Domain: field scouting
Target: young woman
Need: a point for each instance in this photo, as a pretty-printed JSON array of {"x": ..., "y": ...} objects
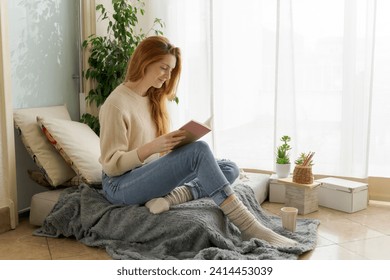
[{"x": 140, "y": 164}]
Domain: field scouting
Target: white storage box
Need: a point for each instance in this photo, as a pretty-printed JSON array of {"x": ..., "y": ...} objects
[
  {"x": 344, "y": 195},
  {"x": 277, "y": 190}
]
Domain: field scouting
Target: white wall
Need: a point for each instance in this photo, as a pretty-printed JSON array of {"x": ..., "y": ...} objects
[{"x": 43, "y": 40}]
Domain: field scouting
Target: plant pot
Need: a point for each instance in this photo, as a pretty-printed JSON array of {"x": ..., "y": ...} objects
[
  {"x": 283, "y": 170},
  {"x": 303, "y": 175}
]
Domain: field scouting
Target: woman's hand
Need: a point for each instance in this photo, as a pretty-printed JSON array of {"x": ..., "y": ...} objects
[
  {"x": 167, "y": 142},
  {"x": 161, "y": 144}
]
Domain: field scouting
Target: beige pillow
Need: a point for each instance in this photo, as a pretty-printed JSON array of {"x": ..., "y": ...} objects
[
  {"x": 78, "y": 144},
  {"x": 45, "y": 156}
]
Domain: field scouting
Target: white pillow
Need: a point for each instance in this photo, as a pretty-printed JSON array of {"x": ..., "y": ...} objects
[
  {"x": 45, "y": 156},
  {"x": 257, "y": 181},
  {"x": 78, "y": 144}
]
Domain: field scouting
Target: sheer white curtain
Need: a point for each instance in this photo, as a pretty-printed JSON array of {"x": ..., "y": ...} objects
[
  {"x": 7, "y": 151},
  {"x": 379, "y": 165},
  {"x": 332, "y": 54},
  {"x": 188, "y": 27},
  {"x": 244, "y": 41},
  {"x": 315, "y": 70}
]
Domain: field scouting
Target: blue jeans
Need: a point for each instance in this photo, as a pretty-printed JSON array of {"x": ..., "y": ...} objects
[{"x": 192, "y": 165}]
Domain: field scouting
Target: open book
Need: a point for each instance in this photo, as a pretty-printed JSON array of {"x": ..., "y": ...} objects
[{"x": 195, "y": 130}]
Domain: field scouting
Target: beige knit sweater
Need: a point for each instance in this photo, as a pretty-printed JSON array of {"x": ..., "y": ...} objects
[{"x": 125, "y": 125}]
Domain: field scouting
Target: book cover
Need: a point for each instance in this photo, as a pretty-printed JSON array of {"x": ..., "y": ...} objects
[{"x": 194, "y": 131}]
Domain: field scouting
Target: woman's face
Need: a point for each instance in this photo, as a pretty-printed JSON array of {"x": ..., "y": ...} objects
[{"x": 157, "y": 73}]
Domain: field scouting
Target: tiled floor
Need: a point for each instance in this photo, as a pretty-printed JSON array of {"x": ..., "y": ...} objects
[
  {"x": 359, "y": 236},
  {"x": 364, "y": 235}
]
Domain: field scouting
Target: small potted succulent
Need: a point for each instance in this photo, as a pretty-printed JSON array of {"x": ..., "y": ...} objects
[{"x": 283, "y": 164}]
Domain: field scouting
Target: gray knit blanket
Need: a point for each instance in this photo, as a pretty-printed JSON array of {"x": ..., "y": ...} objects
[{"x": 193, "y": 230}]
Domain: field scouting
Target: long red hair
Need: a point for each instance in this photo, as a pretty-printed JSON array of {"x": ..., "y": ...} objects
[{"x": 151, "y": 50}]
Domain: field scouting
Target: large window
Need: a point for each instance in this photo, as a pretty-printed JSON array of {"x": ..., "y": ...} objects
[{"x": 315, "y": 70}]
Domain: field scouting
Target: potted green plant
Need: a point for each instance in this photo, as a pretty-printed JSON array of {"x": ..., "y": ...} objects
[
  {"x": 109, "y": 54},
  {"x": 303, "y": 169},
  {"x": 305, "y": 159},
  {"x": 283, "y": 164}
]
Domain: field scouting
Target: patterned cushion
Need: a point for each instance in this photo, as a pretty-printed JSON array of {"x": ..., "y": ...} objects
[
  {"x": 45, "y": 156},
  {"x": 78, "y": 144}
]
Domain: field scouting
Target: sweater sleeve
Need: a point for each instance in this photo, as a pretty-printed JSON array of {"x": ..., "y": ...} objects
[{"x": 116, "y": 158}]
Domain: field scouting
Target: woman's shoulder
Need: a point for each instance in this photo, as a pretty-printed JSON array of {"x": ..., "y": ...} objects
[
  {"x": 120, "y": 96},
  {"x": 121, "y": 101}
]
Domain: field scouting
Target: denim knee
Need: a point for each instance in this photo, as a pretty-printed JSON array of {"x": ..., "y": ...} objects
[
  {"x": 234, "y": 172},
  {"x": 228, "y": 167},
  {"x": 230, "y": 170},
  {"x": 201, "y": 145}
]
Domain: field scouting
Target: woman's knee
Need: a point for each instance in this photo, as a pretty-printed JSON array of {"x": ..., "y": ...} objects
[
  {"x": 230, "y": 170},
  {"x": 201, "y": 145},
  {"x": 201, "y": 149}
]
